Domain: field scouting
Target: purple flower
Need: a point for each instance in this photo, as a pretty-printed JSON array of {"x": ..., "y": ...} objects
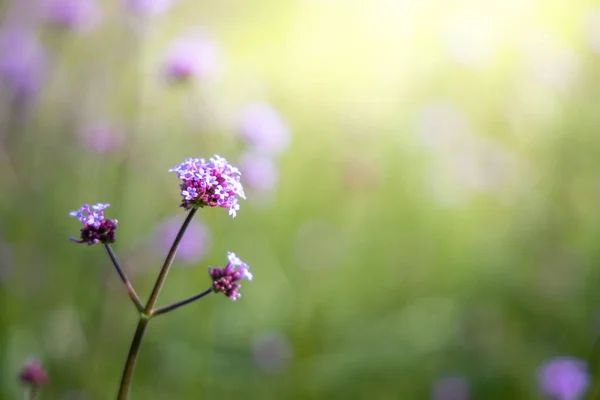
[
  {"x": 33, "y": 373},
  {"x": 215, "y": 183},
  {"x": 224, "y": 279},
  {"x": 260, "y": 172},
  {"x": 21, "y": 63},
  {"x": 193, "y": 246},
  {"x": 102, "y": 138},
  {"x": 191, "y": 57},
  {"x": 149, "y": 7},
  {"x": 563, "y": 378},
  {"x": 263, "y": 128},
  {"x": 96, "y": 229},
  {"x": 78, "y": 15},
  {"x": 450, "y": 388}
]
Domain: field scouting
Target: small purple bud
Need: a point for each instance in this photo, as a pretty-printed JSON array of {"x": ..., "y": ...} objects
[
  {"x": 224, "y": 279},
  {"x": 33, "y": 373}
]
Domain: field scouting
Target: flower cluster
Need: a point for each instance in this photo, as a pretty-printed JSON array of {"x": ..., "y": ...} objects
[
  {"x": 96, "y": 228},
  {"x": 213, "y": 183},
  {"x": 564, "y": 378},
  {"x": 224, "y": 279},
  {"x": 33, "y": 373}
]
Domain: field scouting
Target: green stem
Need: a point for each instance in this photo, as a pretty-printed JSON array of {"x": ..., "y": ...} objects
[
  {"x": 132, "y": 357},
  {"x": 181, "y": 303},
  {"x": 147, "y": 311},
  {"x": 130, "y": 290}
]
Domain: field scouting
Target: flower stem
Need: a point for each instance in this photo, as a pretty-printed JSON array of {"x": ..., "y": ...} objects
[
  {"x": 181, "y": 303},
  {"x": 147, "y": 311},
  {"x": 132, "y": 357},
  {"x": 132, "y": 294},
  {"x": 168, "y": 261}
]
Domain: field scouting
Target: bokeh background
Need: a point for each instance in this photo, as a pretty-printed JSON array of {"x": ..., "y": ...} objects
[{"x": 423, "y": 183}]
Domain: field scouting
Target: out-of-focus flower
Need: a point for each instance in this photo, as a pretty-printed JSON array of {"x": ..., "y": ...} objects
[
  {"x": 21, "y": 63},
  {"x": 77, "y": 15},
  {"x": 102, "y": 138},
  {"x": 215, "y": 183},
  {"x": 149, "y": 7},
  {"x": 33, "y": 373},
  {"x": 450, "y": 388},
  {"x": 264, "y": 129},
  {"x": 193, "y": 246},
  {"x": 224, "y": 279},
  {"x": 260, "y": 172},
  {"x": 272, "y": 352},
  {"x": 191, "y": 57},
  {"x": 96, "y": 228},
  {"x": 563, "y": 378}
]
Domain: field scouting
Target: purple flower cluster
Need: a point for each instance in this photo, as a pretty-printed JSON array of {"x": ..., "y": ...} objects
[
  {"x": 213, "y": 183},
  {"x": 96, "y": 228},
  {"x": 564, "y": 378},
  {"x": 78, "y": 15},
  {"x": 224, "y": 279},
  {"x": 33, "y": 373},
  {"x": 191, "y": 57}
]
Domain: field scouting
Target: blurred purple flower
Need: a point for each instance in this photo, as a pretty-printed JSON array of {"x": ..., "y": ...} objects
[
  {"x": 96, "y": 228},
  {"x": 149, "y": 7},
  {"x": 264, "y": 129},
  {"x": 21, "y": 63},
  {"x": 272, "y": 352},
  {"x": 33, "y": 373},
  {"x": 195, "y": 243},
  {"x": 215, "y": 183},
  {"x": 102, "y": 138},
  {"x": 563, "y": 378},
  {"x": 77, "y": 15},
  {"x": 450, "y": 388},
  {"x": 260, "y": 172},
  {"x": 191, "y": 57},
  {"x": 225, "y": 279}
]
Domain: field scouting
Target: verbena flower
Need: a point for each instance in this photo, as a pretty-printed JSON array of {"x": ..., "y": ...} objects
[
  {"x": 33, "y": 373},
  {"x": 96, "y": 228},
  {"x": 149, "y": 7},
  {"x": 225, "y": 279},
  {"x": 191, "y": 57},
  {"x": 78, "y": 15},
  {"x": 564, "y": 378},
  {"x": 263, "y": 129},
  {"x": 22, "y": 62},
  {"x": 213, "y": 183},
  {"x": 260, "y": 172}
]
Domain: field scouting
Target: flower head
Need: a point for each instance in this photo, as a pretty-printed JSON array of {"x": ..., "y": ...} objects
[
  {"x": 78, "y": 15},
  {"x": 149, "y": 7},
  {"x": 213, "y": 183},
  {"x": 563, "y": 378},
  {"x": 262, "y": 127},
  {"x": 33, "y": 373},
  {"x": 96, "y": 228},
  {"x": 224, "y": 279},
  {"x": 191, "y": 57}
]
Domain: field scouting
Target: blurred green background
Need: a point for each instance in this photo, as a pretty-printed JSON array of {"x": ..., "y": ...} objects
[{"x": 435, "y": 213}]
